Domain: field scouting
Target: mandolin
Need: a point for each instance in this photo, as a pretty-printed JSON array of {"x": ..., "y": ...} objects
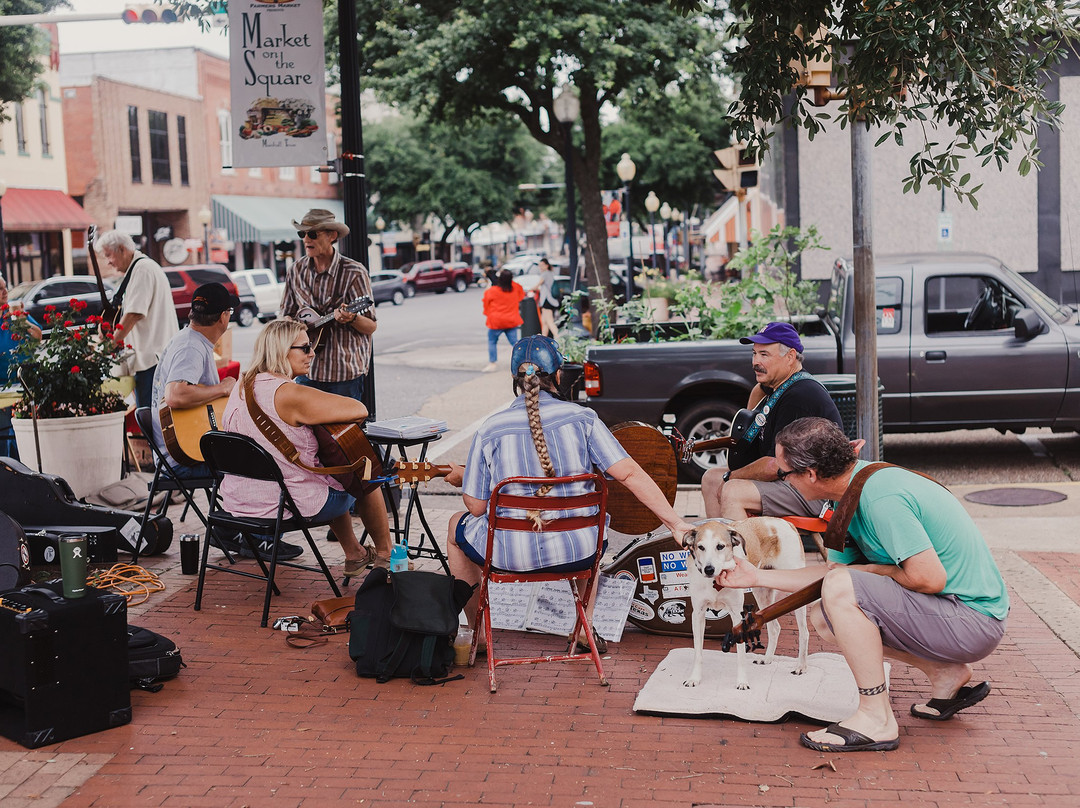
[
  {"x": 314, "y": 321},
  {"x": 183, "y": 427}
]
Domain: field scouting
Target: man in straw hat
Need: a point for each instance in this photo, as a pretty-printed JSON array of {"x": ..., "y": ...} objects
[{"x": 326, "y": 281}]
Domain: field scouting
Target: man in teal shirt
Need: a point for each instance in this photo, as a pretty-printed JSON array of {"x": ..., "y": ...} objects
[{"x": 915, "y": 582}]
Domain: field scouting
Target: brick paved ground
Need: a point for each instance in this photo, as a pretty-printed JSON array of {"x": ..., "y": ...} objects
[{"x": 252, "y": 722}]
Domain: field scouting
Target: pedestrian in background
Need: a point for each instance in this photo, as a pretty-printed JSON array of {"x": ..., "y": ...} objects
[
  {"x": 502, "y": 309},
  {"x": 148, "y": 317},
  {"x": 8, "y": 344},
  {"x": 549, "y": 305}
]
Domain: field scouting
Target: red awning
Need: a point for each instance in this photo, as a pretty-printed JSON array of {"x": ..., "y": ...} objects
[{"x": 32, "y": 209}]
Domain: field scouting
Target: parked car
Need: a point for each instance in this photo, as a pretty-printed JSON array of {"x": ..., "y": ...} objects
[
  {"x": 437, "y": 276},
  {"x": 184, "y": 280},
  {"x": 34, "y": 296},
  {"x": 263, "y": 283},
  {"x": 523, "y": 263},
  {"x": 388, "y": 285}
]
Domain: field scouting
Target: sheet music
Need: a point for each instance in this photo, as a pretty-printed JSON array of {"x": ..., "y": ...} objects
[{"x": 549, "y": 607}]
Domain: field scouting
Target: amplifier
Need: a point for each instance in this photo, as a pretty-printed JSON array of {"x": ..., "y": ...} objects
[
  {"x": 64, "y": 667},
  {"x": 101, "y": 542}
]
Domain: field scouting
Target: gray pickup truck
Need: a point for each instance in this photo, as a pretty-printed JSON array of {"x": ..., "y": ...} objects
[{"x": 963, "y": 342}]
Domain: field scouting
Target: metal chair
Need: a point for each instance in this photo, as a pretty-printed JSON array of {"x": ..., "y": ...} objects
[
  {"x": 580, "y": 581},
  {"x": 231, "y": 453},
  {"x": 166, "y": 479}
]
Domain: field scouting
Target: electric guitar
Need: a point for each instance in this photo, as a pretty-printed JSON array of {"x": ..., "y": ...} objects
[
  {"x": 314, "y": 321},
  {"x": 183, "y": 427}
]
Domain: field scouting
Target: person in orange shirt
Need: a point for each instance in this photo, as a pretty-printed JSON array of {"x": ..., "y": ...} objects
[{"x": 502, "y": 310}]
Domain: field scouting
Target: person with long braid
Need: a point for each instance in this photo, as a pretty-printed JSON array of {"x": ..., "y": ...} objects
[{"x": 540, "y": 435}]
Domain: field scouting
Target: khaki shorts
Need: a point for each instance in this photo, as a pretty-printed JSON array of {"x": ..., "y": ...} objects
[{"x": 780, "y": 498}]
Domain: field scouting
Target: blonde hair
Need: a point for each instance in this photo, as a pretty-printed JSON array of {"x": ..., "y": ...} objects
[{"x": 271, "y": 352}]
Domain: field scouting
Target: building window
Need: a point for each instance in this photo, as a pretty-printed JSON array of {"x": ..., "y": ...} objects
[
  {"x": 133, "y": 141},
  {"x": 255, "y": 172},
  {"x": 225, "y": 134},
  {"x": 43, "y": 116},
  {"x": 287, "y": 173},
  {"x": 181, "y": 136},
  {"x": 20, "y": 129},
  {"x": 159, "y": 147}
]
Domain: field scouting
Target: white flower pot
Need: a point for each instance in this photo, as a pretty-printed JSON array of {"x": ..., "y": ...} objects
[{"x": 86, "y": 450}]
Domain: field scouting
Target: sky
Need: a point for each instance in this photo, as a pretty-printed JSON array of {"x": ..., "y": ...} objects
[{"x": 114, "y": 35}]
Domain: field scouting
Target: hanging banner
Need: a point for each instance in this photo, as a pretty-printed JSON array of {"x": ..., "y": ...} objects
[{"x": 278, "y": 75}]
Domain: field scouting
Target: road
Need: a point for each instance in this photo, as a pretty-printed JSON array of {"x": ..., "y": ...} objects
[{"x": 429, "y": 354}]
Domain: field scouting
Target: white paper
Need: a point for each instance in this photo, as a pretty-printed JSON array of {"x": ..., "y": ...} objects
[{"x": 549, "y": 607}]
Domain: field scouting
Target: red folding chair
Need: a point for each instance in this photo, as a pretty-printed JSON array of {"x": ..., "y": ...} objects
[{"x": 580, "y": 581}]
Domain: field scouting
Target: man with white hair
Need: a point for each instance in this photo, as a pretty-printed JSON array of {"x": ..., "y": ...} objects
[
  {"x": 784, "y": 393},
  {"x": 148, "y": 317}
]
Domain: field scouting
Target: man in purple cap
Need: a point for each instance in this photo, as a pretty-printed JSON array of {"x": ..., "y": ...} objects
[{"x": 784, "y": 392}]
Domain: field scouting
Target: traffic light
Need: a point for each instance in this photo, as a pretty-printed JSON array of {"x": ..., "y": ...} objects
[
  {"x": 149, "y": 14},
  {"x": 738, "y": 167}
]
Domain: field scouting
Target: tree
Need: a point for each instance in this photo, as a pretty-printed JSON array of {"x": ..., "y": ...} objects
[
  {"x": 464, "y": 175},
  {"x": 458, "y": 60},
  {"x": 21, "y": 50},
  {"x": 967, "y": 76}
]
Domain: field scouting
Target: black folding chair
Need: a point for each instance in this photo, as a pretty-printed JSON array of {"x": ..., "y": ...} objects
[
  {"x": 230, "y": 453},
  {"x": 166, "y": 479}
]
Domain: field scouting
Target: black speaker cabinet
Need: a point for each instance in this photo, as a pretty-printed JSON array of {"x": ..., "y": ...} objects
[{"x": 63, "y": 665}]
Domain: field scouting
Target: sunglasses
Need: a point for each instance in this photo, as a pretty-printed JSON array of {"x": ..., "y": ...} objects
[
  {"x": 309, "y": 233},
  {"x": 783, "y": 475},
  {"x": 307, "y": 348}
]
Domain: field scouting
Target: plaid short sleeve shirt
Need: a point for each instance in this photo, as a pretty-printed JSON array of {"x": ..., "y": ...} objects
[{"x": 343, "y": 352}]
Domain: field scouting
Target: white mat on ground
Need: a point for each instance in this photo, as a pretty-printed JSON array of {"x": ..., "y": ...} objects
[{"x": 825, "y": 693}]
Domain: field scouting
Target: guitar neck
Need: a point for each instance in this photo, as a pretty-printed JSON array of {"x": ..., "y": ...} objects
[
  {"x": 725, "y": 442},
  {"x": 756, "y": 620},
  {"x": 107, "y": 310}
]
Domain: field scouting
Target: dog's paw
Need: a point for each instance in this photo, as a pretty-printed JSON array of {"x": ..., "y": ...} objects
[
  {"x": 742, "y": 686},
  {"x": 691, "y": 681},
  {"x": 759, "y": 661},
  {"x": 799, "y": 670}
]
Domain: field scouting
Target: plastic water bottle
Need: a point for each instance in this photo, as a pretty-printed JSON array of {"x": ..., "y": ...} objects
[{"x": 399, "y": 558}]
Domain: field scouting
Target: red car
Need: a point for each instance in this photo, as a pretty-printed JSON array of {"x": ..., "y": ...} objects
[
  {"x": 184, "y": 280},
  {"x": 436, "y": 276}
]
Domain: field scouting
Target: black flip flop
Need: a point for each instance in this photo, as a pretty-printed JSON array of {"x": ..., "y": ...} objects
[
  {"x": 965, "y": 697},
  {"x": 854, "y": 741}
]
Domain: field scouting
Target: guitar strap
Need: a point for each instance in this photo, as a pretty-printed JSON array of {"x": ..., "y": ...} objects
[
  {"x": 118, "y": 298},
  {"x": 767, "y": 407},
  {"x": 836, "y": 533},
  {"x": 280, "y": 441}
]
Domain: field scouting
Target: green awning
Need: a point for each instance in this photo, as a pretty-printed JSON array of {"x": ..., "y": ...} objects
[{"x": 266, "y": 219}]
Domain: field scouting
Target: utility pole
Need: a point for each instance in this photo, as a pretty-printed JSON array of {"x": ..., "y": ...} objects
[{"x": 862, "y": 231}]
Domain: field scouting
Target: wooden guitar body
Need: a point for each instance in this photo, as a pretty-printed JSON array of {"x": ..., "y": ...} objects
[
  {"x": 344, "y": 444},
  {"x": 182, "y": 429},
  {"x": 652, "y": 450}
]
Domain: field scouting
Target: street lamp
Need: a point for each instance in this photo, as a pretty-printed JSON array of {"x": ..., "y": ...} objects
[
  {"x": 205, "y": 217},
  {"x": 665, "y": 214},
  {"x": 567, "y": 107},
  {"x": 652, "y": 204},
  {"x": 626, "y": 170},
  {"x": 380, "y": 225},
  {"x": 3, "y": 241},
  {"x": 676, "y": 218}
]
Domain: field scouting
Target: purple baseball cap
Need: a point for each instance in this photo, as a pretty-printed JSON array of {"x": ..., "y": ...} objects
[{"x": 783, "y": 333}]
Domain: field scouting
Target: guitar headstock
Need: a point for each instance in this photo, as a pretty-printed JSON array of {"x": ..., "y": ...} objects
[
  {"x": 410, "y": 472},
  {"x": 360, "y": 305},
  {"x": 748, "y": 631}
]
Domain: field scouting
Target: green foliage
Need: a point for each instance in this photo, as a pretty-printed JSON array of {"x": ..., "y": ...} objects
[
  {"x": 64, "y": 371},
  {"x": 965, "y": 77},
  {"x": 462, "y": 174},
  {"x": 22, "y": 52},
  {"x": 769, "y": 262}
]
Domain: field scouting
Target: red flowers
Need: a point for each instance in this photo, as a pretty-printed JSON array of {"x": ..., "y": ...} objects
[{"x": 74, "y": 368}]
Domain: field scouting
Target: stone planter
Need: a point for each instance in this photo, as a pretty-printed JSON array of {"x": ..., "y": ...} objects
[{"x": 86, "y": 450}]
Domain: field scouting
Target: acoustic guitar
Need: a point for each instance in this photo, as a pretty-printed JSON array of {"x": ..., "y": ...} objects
[
  {"x": 749, "y": 630},
  {"x": 654, "y": 453},
  {"x": 183, "y": 427},
  {"x": 739, "y": 424},
  {"x": 314, "y": 321}
]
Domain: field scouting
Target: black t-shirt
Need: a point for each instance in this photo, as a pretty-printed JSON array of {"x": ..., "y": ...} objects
[{"x": 804, "y": 398}]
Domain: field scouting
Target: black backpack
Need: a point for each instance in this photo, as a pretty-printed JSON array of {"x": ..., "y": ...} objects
[
  {"x": 403, "y": 624},
  {"x": 151, "y": 658}
]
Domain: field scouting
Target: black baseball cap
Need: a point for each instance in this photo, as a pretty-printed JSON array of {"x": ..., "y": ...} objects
[{"x": 213, "y": 298}]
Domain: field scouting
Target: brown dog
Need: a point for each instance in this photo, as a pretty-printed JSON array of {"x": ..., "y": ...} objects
[{"x": 766, "y": 542}]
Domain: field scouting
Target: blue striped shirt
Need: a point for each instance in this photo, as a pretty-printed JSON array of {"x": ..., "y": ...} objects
[{"x": 503, "y": 447}]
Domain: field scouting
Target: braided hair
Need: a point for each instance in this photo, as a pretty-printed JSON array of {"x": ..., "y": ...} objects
[{"x": 530, "y": 381}]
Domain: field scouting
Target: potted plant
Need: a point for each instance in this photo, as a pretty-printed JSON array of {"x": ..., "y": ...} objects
[{"x": 70, "y": 419}]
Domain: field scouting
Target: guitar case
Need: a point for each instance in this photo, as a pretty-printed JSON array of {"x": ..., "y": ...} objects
[
  {"x": 14, "y": 554},
  {"x": 31, "y": 498},
  {"x": 661, "y": 603}
]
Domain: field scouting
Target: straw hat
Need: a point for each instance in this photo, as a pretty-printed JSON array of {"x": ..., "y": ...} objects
[{"x": 319, "y": 219}]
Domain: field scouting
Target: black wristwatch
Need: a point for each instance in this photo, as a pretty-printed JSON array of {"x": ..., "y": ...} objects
[{"x": 727, "y": 475}]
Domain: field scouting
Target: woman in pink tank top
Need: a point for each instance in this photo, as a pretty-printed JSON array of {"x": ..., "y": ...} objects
[{"x": 282, "y": 352}]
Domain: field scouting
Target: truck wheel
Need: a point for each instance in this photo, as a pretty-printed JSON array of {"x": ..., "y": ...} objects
[
  {"x": 399, "y": 297},
  {"x": 700, "y": 421},
  {"x": 245, "y": 316},
  {"x": 460, "y": 285}
]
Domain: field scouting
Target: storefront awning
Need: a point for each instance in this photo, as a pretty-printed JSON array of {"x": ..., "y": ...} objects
[
  {"x": 266, "y": 219},
  {"x": 34, "y": 209}
]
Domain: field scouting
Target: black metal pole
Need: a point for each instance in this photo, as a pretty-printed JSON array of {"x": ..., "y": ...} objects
[
  {"x": 629, "y": 252},
  {"x": 652, "y": 241},
  {"x": 571, "y": 211},
  {"x": 354, "y": 187}
]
